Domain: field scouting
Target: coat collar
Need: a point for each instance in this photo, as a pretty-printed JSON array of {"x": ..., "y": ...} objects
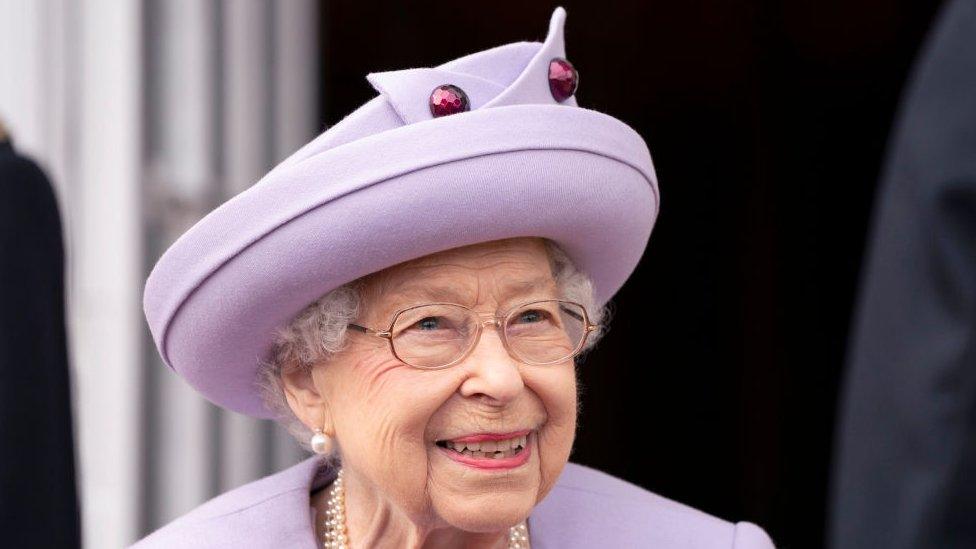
[{"x": 314, "y": 473}]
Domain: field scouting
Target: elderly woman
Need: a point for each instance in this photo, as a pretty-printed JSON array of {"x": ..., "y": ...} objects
[{"x": 409, "y": 294}]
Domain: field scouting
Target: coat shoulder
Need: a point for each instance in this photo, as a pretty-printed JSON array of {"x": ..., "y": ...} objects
[
  {"x": 587, "y": 507},
  {"x": 261, "y": 513}
]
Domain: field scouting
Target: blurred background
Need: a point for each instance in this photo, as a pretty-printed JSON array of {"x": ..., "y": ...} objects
[{"x": 718, "y": 382}]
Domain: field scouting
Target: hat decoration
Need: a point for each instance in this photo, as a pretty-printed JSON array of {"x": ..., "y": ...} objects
[
  {"x": 488, "y": 146},
  {"x": 563, "y": 79},
  {"x": 480, "y": 78},
  {"x": 448, "y": 99}
]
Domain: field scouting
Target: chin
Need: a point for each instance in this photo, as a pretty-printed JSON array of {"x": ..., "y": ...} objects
[{"x": 490, "y": 513}]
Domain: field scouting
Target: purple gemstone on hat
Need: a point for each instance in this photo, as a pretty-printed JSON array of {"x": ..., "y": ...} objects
[
  {"x": 563, "y": 79},
  {"x": 448, "y": 99}
]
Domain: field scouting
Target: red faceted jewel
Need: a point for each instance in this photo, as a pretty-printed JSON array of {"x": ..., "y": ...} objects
[
  {"x": 448, "y": 99},
  {"x": 563, "y": 79}
]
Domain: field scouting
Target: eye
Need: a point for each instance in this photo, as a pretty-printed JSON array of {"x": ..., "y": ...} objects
[
  {"x": 428, "y": 323},
  {"x": 532, "y": 316}
]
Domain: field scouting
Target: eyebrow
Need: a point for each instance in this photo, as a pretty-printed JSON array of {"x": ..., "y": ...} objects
[{"x": 511, "y": 290}]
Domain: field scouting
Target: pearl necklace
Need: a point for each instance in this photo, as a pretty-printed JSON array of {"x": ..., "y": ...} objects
[{"x": 336, "y": 535}]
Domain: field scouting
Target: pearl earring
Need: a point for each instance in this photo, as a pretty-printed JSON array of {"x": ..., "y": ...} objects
[{"x": 321, "y": 443}]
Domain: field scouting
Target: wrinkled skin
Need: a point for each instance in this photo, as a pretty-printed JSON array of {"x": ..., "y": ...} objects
[{"x": 401, "y": 490}]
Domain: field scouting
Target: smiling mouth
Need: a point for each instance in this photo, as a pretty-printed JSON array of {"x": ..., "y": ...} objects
[{"x": 487, "y": 449}]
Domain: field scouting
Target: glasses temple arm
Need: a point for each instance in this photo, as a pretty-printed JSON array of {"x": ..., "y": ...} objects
[
  {"x": 577, "y": 316},
  {"x": 365, "y": 330},
  {"x": 571, "y": 313}
]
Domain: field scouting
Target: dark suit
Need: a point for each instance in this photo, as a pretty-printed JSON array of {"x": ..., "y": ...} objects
[
  {"x": 38, "y": 498},
  {"x": 905, "y": 473}
]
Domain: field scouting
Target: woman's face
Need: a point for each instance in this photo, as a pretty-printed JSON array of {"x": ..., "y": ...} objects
[{"x": 392, "y": 421}]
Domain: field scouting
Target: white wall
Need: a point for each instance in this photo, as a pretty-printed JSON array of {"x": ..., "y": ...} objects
[{"x": 146, "y": 115}]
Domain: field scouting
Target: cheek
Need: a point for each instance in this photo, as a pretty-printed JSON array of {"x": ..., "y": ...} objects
[
  {"x": 556, "y": 388},
  {"x": 381, "y": 411}
]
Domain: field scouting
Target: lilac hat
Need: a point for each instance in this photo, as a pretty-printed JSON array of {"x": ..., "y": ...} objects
[{"x": 489, "y": 146}]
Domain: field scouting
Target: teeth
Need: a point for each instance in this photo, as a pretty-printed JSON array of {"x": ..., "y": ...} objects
[{"x": 492, "y": 449}]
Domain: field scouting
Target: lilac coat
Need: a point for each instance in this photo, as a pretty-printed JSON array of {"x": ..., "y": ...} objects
[{"x": 586, "y": 508}]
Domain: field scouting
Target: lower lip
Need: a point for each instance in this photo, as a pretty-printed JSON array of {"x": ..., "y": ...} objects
[{"x": 517, "y": 460}]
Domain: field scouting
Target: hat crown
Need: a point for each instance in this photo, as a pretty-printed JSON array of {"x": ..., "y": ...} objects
[{"x": 511, "y": 74}]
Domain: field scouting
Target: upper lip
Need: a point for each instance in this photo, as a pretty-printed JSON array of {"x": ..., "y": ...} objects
[{"x": 482, "y": 437}]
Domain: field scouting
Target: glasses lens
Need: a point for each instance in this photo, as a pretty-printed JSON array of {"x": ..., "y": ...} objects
[
  {"x": 546, "y": 331},
  {"x": 431, "y": 336}
]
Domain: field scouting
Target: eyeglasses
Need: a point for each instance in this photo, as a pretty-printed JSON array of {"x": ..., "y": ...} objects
[{"x": 439, "y": 335}]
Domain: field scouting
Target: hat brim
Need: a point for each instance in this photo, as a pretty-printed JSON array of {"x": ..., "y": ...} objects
[{"x": 579, "y": 177}]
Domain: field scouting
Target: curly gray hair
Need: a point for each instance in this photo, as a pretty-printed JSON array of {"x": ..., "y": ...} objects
[{"x": 319, "y": 332}]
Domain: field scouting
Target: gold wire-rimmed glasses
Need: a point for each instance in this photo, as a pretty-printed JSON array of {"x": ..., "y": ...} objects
[{"x": 433, "y": 336}]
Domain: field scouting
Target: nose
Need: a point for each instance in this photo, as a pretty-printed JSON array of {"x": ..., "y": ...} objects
[{"x": 493, "y": 374}]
